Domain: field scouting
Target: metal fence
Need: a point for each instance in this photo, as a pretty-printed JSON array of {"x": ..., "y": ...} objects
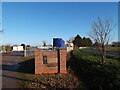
[{"x": 28, "y": 53}]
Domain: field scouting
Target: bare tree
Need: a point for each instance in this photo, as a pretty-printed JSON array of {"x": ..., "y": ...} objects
[
  {"x": 101, "y": 33},
  {"x": 44, "y": 43},
  {"x": 1, "y": 30},
  {"x": 71, "y": 38}
]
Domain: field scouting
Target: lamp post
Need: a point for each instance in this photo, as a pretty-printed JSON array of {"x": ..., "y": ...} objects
[{"x": 25, "y": 52}]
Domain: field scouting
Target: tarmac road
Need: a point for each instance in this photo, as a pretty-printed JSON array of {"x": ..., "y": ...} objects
[
  {"x": 96, "y": 51},
  {"x": 9, "y": 69}
]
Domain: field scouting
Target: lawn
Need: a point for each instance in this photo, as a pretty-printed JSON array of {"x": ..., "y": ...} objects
[{"x": 114, "y": 49}]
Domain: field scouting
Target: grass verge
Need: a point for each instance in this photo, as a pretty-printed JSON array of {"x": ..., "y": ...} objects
[
  {"x": 46, "y": 81},
  {"x": 88, "y": 68}
]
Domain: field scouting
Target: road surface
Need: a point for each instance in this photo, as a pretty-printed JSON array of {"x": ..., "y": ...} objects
[
  {"x": 96, "y": 51},
  {"x": 9, "y": 69}
]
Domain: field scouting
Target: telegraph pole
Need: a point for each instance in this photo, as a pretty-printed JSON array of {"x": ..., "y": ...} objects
[{"x": 25, "y": 52}]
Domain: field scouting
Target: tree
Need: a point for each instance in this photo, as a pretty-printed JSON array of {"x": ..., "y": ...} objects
[
  {"x": 116, "y": 44},
  {"x": 28, "y": 46},
  {"x": 96, "y": 44},
  {"x": 0, "y": 37},
  {"x": 23, "y": 46},
  {"x": 86, "y": 42},
  {"x": 44, "y": 43},
  {"x": 101, "y": 33},
  {"x": 1, "y": 30},
  {"x": 71, "y": 39},
  {"x": 8, "y": 48},
  {"x": 89, "y": 42},
  {"x": 82, "y": 42},
  {"x": 77, "y": 41}
]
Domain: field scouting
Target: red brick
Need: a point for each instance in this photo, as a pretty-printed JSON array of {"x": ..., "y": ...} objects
[{"x": 43, "y": 68}]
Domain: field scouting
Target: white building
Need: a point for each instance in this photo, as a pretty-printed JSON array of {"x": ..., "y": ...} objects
[
  {"x": 69, "y": 46},
  {"x": 17, "y": 48},
  {"x": 45, "y": 47}
]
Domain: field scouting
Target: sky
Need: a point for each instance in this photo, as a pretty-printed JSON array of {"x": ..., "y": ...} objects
[{"x": 34, "y": 22}]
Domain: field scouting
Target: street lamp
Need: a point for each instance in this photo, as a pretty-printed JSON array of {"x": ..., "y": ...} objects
[{"x": 25, "y": 52}]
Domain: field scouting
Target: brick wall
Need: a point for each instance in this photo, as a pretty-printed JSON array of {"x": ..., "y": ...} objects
[
  {"x": 56, "y": 61},
  {"x": 62, "y": 53}
]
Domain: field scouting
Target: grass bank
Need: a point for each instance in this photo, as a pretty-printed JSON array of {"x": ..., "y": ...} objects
[
  {"x": 114, "y": 49},
  {"x": 46, "y": 81},
  {"x": 88, "y": 68}
]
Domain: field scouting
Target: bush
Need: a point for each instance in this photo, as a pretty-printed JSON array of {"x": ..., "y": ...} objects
[{"x": 94, "y": 73}]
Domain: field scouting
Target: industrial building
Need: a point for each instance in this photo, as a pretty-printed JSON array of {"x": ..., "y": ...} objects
[
  {"x": 69, "y": 45},
  {"x": 17, "y": 48},
  {"x": 58, "y": 42},
  {"x": 47, "y": 47}
]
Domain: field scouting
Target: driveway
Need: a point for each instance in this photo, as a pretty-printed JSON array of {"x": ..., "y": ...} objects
[{"x": 9, "y": 69}]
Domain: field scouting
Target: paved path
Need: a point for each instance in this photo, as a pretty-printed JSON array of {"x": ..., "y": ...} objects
[{"x": 9, "y": 66}]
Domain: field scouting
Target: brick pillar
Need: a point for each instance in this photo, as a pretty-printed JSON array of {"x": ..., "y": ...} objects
[
  {"x": 62, "y": 59},
  {"x": 38, "y": 61}
]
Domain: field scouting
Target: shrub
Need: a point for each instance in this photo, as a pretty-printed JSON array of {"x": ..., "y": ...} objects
[{"x": 94, "y": 73}]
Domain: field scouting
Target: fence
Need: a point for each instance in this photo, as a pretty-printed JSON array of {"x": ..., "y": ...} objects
[{"x": 28, "y": 53}]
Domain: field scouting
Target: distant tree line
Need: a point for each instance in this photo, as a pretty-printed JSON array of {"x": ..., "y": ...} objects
[
  {"x": 116, "y": 44},
  {"x": 82, "y": 42},
  {"x": 8, "y": 48}
]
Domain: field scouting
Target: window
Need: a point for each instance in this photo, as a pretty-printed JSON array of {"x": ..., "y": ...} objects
[{"x": 44, "y": 59}]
